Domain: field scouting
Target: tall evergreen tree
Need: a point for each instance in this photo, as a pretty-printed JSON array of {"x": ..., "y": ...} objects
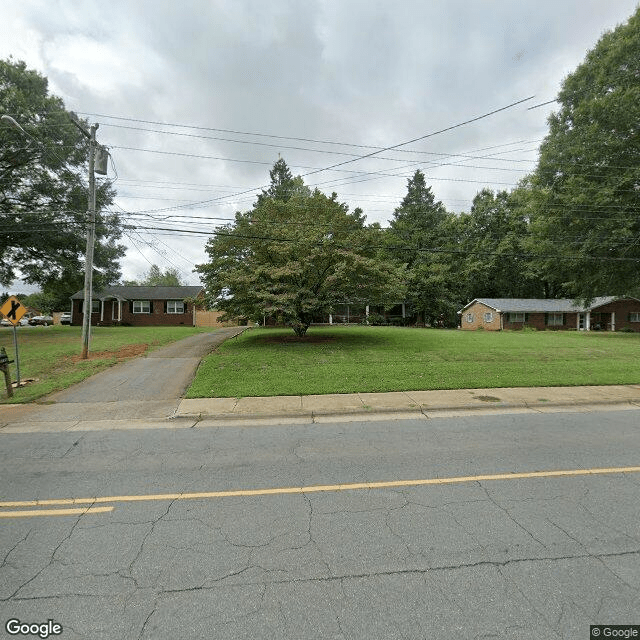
[
  {"x": 418, "y": 233},
  {"x": 282, "y": 183},
  {"x": 416, "y": 223}
]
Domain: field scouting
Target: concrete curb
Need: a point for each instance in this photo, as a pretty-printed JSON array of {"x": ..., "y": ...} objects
[{"x": 402, "y": 405}]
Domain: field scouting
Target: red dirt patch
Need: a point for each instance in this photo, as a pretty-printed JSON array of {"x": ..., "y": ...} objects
[{"x": 127, "y": 351}]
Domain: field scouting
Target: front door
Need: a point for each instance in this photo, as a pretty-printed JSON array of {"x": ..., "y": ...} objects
[{"x": 582, "y": 322}]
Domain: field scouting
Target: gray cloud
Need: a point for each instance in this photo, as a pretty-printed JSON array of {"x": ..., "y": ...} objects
[{"x": 362, "y": 72}]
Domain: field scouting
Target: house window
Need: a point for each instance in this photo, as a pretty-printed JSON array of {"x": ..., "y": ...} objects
[
  {"x": 141, "y": 306},
  {"x": 469, "y": 318},
  {"x": 555, "y": 319},
  {"x": 95, "y": 306},
  {"x": 516, "y": 317},
  {"x": 634, "y": 317},
  {"x": 488, "y": 317},
  {"x": 175, "y": 306}
]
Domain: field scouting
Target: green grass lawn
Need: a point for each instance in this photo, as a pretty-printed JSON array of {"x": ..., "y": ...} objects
[
  {"x": 50, "y": 354},
  {"x": 264, "y": 362}
]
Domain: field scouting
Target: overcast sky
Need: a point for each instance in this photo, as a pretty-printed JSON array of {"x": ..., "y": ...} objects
[{"x": 235, "y": 83}]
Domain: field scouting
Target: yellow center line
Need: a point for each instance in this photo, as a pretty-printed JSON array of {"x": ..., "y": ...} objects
[
  {"x": 203, "y": 495},
  {"x": 53, "y": 512}
]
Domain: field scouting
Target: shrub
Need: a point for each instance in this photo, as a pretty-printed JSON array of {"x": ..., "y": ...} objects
[{"x": 375, "y": 319}]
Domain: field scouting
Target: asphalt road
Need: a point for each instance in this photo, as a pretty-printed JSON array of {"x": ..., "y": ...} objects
[{"x": 166, "y": 553}]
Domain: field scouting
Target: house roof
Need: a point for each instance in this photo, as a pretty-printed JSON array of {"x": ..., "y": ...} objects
[
  {"x": 539, "y": 305},
  {"x": 142, "y": 293}
]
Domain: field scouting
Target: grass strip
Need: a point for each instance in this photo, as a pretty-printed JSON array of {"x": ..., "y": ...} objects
[{"x": 265, "y": 362}]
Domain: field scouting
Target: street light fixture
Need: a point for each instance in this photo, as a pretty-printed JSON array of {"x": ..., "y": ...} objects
[{"x": 13, "y": 122}]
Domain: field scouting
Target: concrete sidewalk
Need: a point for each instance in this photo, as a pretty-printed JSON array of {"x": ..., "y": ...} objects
[
  {"x": 410, "y": 404},
  {"x": 278, "y": 410}
]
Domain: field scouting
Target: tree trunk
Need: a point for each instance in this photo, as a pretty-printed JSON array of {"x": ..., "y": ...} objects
[
  {"x": 300, "y": 325},
  {"x": 300, "y": 330}
]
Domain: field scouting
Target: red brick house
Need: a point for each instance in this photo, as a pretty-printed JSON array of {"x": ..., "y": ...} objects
[
  {"x": 138, "y": 306},
  {"x": 605, "y": 313}
]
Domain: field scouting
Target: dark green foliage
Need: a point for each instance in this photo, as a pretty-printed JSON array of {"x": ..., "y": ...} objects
[
  {"x": 43, "y": 197},
  {"x": 587, "y": 184},
  {"x": 418, "y": 238},
  {"x": 493, "y": 237},
  {"x": 294, "y": 257},
  {"x": 282, "y": 184}
]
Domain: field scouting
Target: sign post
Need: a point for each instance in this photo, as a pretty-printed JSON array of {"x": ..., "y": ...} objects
[
  {"x": 4, "y": 367},
  {"x": 12, "y": 309}
]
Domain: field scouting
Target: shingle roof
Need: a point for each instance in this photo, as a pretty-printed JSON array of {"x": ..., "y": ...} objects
[
  {"x": 142, "y": 293},
  {"x": 533, "y": 305}
]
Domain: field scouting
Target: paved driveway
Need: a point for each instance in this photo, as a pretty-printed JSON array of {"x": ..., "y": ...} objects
[{"x": 148, "y": 387}]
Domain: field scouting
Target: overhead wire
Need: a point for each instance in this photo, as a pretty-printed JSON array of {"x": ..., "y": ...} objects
[{"x": 373, "y": 153}]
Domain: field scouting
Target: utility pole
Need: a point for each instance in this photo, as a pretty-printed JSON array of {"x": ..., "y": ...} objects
[
  {"x": 91, "y": 237},
  {"x": 91, "y": 234}
]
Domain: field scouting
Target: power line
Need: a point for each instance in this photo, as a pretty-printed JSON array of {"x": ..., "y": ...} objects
[
  {"x": 256, "y": 134},
  {"x": 429, "y": 135},
  {"x": 279, "y": 146},
  {"x": 424, "y": 137}
]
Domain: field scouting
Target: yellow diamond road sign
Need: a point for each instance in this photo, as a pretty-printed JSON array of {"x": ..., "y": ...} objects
[{"x": 13, "y": 310}]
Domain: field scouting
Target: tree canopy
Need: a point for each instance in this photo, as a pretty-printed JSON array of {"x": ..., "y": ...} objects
[
  {"x": 587, "y": 184},
  {"x": 43, "y": 197},
  {"x": 295, "y": 255}
]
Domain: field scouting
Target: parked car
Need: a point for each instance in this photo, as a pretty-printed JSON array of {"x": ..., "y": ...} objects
[
  {"x": 65, "y": 318},
  {"x": 41, "y": 320},
  {"x": 22, "y": 322}
]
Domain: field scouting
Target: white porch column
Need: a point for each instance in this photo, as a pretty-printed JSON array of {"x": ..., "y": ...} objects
[
  {"x": 587, "y": 325},
  {"x": 330, "y": 319},
  {"x": 613, "y": 321},
  {"x": 101, "y": 310}
]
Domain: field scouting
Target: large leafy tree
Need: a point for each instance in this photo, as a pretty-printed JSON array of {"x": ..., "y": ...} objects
[
  {"x": 296, "y": 256},
  {"x": 493, "y": 241},
  {"x": 43, "y": 192},
  {"x": 587, "y": 184}
]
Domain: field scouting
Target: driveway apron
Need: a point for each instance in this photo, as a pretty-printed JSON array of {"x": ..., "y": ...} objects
[{"x": 148, "y": 387}]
